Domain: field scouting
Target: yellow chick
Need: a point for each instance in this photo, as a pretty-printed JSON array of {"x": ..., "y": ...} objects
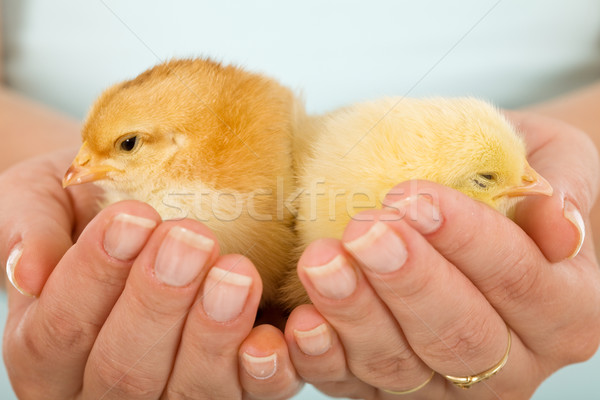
[
  {"x": 349, "y": 159},
  {"x": 197, "y": 139}
]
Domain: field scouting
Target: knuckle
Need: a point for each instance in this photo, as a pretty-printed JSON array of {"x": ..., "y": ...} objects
[
  {"x": 156, "y": 308},
  {"x": 514, "y": 282},
  {"x": 415, "y": 282},
  {"x": 56, "y": 332},
  {"x": 466, "y": 341},
  {"x": 106, "y": 275},
  {"x": 25, "y": 368},
  {"x": 349, "y": 314},
  {"x": 125, "y": 381},
  {"x": 462, "y": 240},
  {"x": 31, "y": 346},
  {"x": 64, "y": 331},
  {"x": 385, "y": 369}
]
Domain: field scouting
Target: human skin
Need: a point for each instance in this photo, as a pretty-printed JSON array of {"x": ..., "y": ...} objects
[
  {"x": 494, "y": 288},
  {"x": 462, "y": 282},
  {"x": 579, "y": 109},
  {"x": 90, "y": 306}
]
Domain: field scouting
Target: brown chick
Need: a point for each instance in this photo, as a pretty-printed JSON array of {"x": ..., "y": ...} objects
[{"x": 197, "y": 139}]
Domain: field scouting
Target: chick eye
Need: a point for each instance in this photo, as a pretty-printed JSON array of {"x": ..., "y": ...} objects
[
  {"x": 129, "y": 143},
  {"x": 483, "y": 180}
]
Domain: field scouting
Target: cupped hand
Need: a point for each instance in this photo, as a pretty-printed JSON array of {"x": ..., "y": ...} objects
[
  {"x": 431, "y": 286},
  {"x": 135, "y": 308},
  {"x": 39, "y": 219}
]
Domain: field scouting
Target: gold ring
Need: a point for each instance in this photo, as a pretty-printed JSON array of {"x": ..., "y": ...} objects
[
  {"x": 468, "y": 381},
  {"x": 421, "y": 386}
]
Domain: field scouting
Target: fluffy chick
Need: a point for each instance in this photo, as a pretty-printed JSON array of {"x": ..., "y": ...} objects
[
  {"x": 194, "y": 138},
  {"x": 349, "y": 159}
]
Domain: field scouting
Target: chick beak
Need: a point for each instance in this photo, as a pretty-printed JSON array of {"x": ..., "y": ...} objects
[
  {"x": 84, "y": 170},
  {"x": 532, "y": 183}
]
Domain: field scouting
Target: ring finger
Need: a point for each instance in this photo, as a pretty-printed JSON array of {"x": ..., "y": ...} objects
[{"x": 462, "y": 335}]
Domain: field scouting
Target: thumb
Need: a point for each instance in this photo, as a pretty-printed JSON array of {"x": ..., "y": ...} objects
[
  {"x": 37, "y": 220},
  {"x": 568, "y": 159}
]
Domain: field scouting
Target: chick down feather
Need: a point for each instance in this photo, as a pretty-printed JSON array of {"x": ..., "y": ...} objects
[
  {"x": 349, "y": 159},
  {"x": 197, "y": 139}
]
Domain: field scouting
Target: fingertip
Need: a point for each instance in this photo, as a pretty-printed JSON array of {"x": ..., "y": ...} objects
[
  {"x": 231, "y": 290},
  {"x": 303, "y": 317},
  {"x": 314, "y": 346},
  {"x": 307, "y": 332},
  {"x": 32, "y": 259},
  {"x": 415, "y": 187},
  {"x": 14, "y": 257},
  {"x": 363, "y": 222},
  {"x": 572, "y": 214},
  {"x": 320, "y": 252},
  {"x": 326, "y": 273},
  {"x": 124, "y": 228},
  {"x": 554, "y": 223},
  {"x": 193, "y": 226},
  {"x": 119, "y": 232},
  {"x": 241, "y": 265},
  {"x": 266, "y": 370},
  {"x": 135, "y": 207},
  {"x": 262, "y": 341}
]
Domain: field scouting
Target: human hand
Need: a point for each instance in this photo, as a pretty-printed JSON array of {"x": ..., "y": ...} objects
[
  {"x": 39, "y": 219},
  {"x": 108, "y": 323},
  {"x": 418, "y": 294}
]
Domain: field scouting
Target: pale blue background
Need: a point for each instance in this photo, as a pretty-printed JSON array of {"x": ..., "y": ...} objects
[{"x": 64, "y": 52}]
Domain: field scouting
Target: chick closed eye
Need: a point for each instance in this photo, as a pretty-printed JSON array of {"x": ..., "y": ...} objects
[
  {"x": 485, "y": 180},
  {"x": 369, "y": 148}
]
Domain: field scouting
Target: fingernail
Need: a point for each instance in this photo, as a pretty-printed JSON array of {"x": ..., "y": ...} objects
[
  {"x": 421, "y": 214},
  {"x": 181, "y": 256},
  {"x": 334, "y": 280},
  {"x": 126, "y": 235},
  {"x": 260, "y": 367},
  {"x": 574, "y": 216},
  {"x": 224, "y": 294},
  {"x": 379, "y": 249},
  {"x": 315, "y": 341},
  {"x": 11, "y": 265}
]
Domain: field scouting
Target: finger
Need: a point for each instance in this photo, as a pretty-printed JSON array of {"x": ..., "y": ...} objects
[
  {"x": 375, "y": 348},
  {"x": 37, "y": 220},
  {"x": 52, "y": 340},
  {"x": 318, "y": 355},
  {"x": 310, "y": 337},
  {"x": 134, "y": 353},
  {"x": 265, "y": 368},
  {"x": 410, "y": 276},
  {"x": 496, "y": 255},
  {"x": 207, "y": 359},
  {"x": 567, "y": 158}
]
